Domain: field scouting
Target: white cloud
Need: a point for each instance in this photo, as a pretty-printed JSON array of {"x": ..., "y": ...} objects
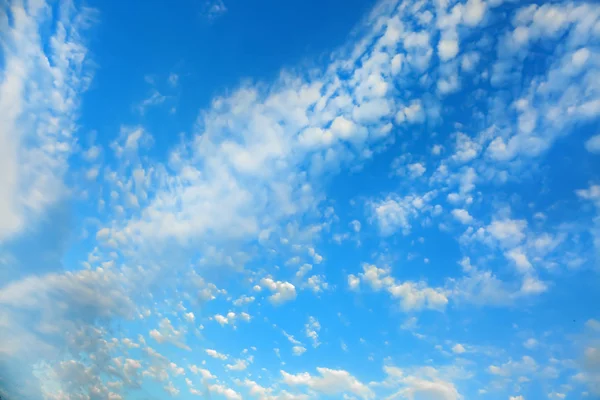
[
  {"x": 412, "y": 113},
  {"x": 520, "y": 259},
  {"x": 298, "y": 350},
  {"x": 331, "y": 382},
  {"x": 317, "y": 283},
  {"x": 466, "y": 149},
  {"x": 154, "y": 99},
  {"x": 462, "y": 216},
  {"x": 422, "y": 383},
  {"x": 243, "y": 300},
  {"x": 312, "y": 329},
  {"x": 224, "y": 391},
  {"x": 396, "y": 213},
  {"x": 532, "y": 285},
  {"x": 231, "y": 318},
  {"x": 291, "y": 338},
  {"x": 166, "y": 333},
  {"x": 447, "y": 49},
  {"x": 189, "y": 317},
  {"x": 91, "y": 154},
  {"x": 215, "y": 354},
  {"x": 458, "y": 349},
  {"x": 131, "y": 138},
  {"x": 303, "y": 270},
  {"x": 525, "y": 366},
  {"x": 474, "y": 12},
  {"x": 437, "y": 149},
  {"x": 530, "y": 343},
  {"x": 415, "y": 170},
  {"x": 40, "y": 86},
  {"x": 241, "y": 174},
  {"x": 413, "y": 296},
  {"x": 371, "y": 111},
  {"x": 239, "y": 365},
  {"x": 593, "y": 144},
  {"x": 282, "y": 291},
  {"x": 221, "y": 319},
  {"x": 215, "y": 9},
  {"x": 509, "y": 232},
  {"x": 206, "y": 374},
  {"x": 593, "y": 324}
]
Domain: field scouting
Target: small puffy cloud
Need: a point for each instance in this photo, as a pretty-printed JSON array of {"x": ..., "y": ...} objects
[
  {"x": 353, "y": 282},
  {"x": 317, "y": 258},
  {"x": 509, "y": 232},
  {"x": 102, "y": 234},
  {"x": 412, "y": 113},
  {"x": 593, "y": 325},
  {"x": 231, "y": 318},
  {"x": 331, "y": 382},
  {"x": 215, "y": 354},
  {"x": 519, "y": 258},
  {"x": 458, "y": 349},
  {"x": 466, "y": 148},
  {"x": 530, "y": 343},
  {"x": 224, "y": 391},
  {"x": 343, "y": 128},
  {"x": 91, "y": 154},
  {"x": 221, "y": 319},
  {"x": 315, "y": 137},
  {"x": 189, "y": 317},
  {"x": 412, "y": 296},
  {"x": 243, "y": 300},
  {"x": 462, "y": 216},
  {"x": 396, "y": 213},
  {"x": 303, "y": 270},
  {"x": 474, "y": 11},
  {"x": 447, "y": 49},
  {"x": 422, "y": 383},
  {"x": 415, "y": 170},
  {"x": 593, "y": 144},
  {"x": 437, "y": 149},
  {"x": 532, "y": 285},
  {"x": 317, "y": 283},
  {"x": 298, "y": 350},
  {"x": 206, "y": 374},
  {"x": 592, "y": 194},
  {"x": 239, "y": 365},
  {"x": 92, "y": 173},
  {"x": 282, "y": 291},
  {"x": 371, "y": 111},
  {"x": 166, "y": 333}
]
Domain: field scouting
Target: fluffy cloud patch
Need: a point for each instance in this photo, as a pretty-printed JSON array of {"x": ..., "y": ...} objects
[{"x": 330, "y": 382}]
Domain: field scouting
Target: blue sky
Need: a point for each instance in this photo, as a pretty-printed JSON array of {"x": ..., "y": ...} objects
[{"x": 300, "y": 200}]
